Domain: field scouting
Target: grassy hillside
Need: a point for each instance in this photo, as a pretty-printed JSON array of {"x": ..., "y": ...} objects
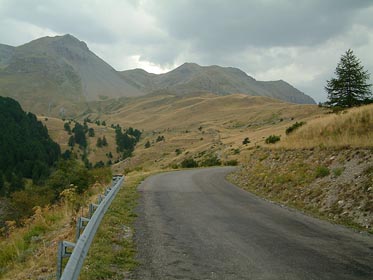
[
  {"x": 95, "y": 154},
  {"x": 352, "y": 127},
  {"x": 320, "y": 168},
  {"x": 200, "y": 125},
  {"x": 324, "y": 168}
]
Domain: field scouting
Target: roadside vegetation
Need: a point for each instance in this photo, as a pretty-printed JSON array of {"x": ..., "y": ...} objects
[
  {"x": 29, "y": 251},
  {"x": 349, "y": 128},
  {"x": 333, "y": 184},
  {"x": 113, "y": 252}
]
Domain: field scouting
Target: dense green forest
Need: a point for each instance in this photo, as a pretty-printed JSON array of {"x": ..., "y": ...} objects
[{"x": 26, "y": 150}]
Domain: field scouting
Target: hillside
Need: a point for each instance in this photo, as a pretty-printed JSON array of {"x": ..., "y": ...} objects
[
  {"x": 26, "y": 149},
  {"x": 192, "y": 78},
  {"x": 51, "y": 74},
  {"x": 199, "y": 123}
]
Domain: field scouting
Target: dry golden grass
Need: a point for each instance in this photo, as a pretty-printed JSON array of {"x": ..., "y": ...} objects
[
  {"x": 354, "y": 128},
  {"x": 203, "y": 123},
  {"x": 30, "y": 252},
  {"x": 59, "y": 134}
]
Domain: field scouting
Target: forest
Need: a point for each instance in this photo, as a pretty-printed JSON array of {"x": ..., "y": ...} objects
[{"x": 26, "y": 150}]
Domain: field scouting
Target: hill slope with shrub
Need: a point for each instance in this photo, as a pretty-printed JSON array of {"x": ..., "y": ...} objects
[{"x": 323, "y": 167}]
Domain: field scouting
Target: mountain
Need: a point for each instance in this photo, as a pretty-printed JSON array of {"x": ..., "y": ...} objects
[
  {"x": 191, "y": 77},
  {"x": 51, "y": 71},
  {"x": 60, "y": 75}
]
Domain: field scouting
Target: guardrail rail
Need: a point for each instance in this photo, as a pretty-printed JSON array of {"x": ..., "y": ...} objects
[{"x": 85, "y": 238}]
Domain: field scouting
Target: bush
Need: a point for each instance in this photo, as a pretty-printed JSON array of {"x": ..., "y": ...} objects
[
  {"x": 294, "y": 127},
  {"x": 272, "y": 139},
  {"x": 147, "y": 145},
  {"x": 212, "y": 160},
  {"x": 189, "y": 163},
  {"x": 246, "y": 141},
  {"x": 322, "y": 171},
  {"x": 232, "y": 162},
  {"x": 338, "y": 171}
]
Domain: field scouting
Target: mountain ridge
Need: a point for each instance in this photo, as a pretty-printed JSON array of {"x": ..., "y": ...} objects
[
  {"x": 55, "y": 75},
  {"x": 191, "y": 77}
]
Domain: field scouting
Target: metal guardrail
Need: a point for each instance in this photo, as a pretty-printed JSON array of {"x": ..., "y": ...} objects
[{"x": 84, "y": 239}]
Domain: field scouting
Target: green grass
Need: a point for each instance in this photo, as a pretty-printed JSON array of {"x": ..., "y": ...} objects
[
  {"x": 112, "y": 254},
  {"x": 322, "y": 171}
]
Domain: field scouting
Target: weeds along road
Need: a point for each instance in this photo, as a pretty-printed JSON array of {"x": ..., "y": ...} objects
[{"x": 195, "y": 225}]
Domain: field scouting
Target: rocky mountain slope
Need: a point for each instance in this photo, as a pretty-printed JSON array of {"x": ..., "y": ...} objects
[
  {"x": 51, "y": 71},
  {"x": 191, "y": 78}
]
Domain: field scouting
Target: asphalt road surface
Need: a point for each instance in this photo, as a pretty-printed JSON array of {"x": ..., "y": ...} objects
[{"x": 195, "y": 225}]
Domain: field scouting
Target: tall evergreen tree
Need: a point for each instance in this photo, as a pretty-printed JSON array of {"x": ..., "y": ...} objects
[{"x": 350, "y": 87}]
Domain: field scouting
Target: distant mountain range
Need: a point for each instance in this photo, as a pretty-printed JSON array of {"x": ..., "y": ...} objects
[
  {"x": 192, "y": 78},
  {"x": 51, "y": 73}
]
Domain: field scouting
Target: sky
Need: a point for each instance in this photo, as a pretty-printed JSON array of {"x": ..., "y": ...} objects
[{"x": 299, "y": 41}]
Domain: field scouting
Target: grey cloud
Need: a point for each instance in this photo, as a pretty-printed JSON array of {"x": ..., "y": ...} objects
[
  {"x": 60, "y": 16},
  {"x": 233, "y": 25}
]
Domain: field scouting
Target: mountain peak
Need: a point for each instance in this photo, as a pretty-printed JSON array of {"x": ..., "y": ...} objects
[{"x": 70, "y": 40}]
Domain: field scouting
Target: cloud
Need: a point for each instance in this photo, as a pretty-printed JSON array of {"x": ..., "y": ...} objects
[{"x": 299, "y": 41}]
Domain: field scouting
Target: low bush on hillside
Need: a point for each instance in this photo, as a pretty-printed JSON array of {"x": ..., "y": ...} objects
[
  {"x": 211, "y": 160},
  {"x": 246, "y": 141},
  {"x": 272, "y": 139},
  {"x": 294, "y": 127},
  {"x": 189, "y": 163},
  {"x": 232, "y": 162},
  {"x": 351, "y": 128},
  {"x": 322, "y": 171}
]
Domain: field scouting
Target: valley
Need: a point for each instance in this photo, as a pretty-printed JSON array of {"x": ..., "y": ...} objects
[{"x": 285, "y": 149}]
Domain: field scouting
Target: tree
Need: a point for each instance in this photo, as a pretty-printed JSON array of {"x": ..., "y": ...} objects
[
  {"x": 99, "y": 142},
  {"x": 79, "y": 134},
  {"x": 350, "y": 87},
  {"x": 147, "y": 144},
  {"x": 246, "y": 141},
  {"x": 91, "y": 132},
  {"x": 67, "y": 127},
  {"x": 71, "y": 141},
  {"x": 104, "y": 141}
]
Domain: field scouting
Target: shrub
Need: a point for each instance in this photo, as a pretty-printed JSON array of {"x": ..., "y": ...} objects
[
  {"x": 338, "y": 171},
  {"x": 178, "y": 152},
  {"x": 294, "y": 127},
  {"x": 212, "y": 160},
  {"x": 236, "y": 151},
  {"x": 272, "y": 139},
  {"x": 189, "y": 163},
  {"x": 147, "y": 144},
  {"x": 322, "y": 171},
  {"x": 232, "y": 162},
  {"x": 246, "y": 141}
]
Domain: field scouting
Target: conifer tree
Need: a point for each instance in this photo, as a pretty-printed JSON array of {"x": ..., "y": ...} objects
[{"x": 350, "y": 87}]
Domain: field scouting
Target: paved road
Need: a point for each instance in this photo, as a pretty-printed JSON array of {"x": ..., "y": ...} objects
[{"x": 195, "y": 225}]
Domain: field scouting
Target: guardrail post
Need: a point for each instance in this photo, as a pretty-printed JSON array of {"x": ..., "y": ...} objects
[
  {"x": 92, "y": 208},
  {"x": 100, "y": 198},
  {"x": 62, "y": 253},
  {"x": 80, "y": 224}
]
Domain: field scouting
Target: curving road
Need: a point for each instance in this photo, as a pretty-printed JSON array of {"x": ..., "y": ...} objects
[{"x": 195, "y": 225}]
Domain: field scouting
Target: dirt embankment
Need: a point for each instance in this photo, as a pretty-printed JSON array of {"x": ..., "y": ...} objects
[{"x": 336, "y": 184}]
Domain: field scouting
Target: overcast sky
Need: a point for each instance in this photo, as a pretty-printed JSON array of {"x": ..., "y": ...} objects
[{"x": 299, "y": 41}]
